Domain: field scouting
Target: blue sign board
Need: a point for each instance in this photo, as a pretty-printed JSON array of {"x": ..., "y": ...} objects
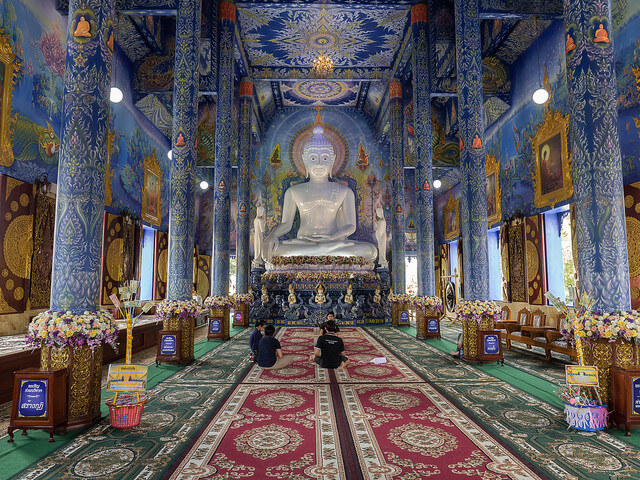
[
  {"x": 404, "y": 317},
  {"x": 238, "y": 316},
  {"x": 635, "y": 382},
  {"x": 215, "y": 326},
  {"x": 432, "y": 326},
  {"x": 491, "y": 344},
  {"x": 169, "y": 345},
  {"x": 32, "y": 400}
]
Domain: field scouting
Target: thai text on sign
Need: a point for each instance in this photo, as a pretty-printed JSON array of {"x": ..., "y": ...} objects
[
  {"x": 127, "y": 378},
  {"x": 581, "y": 375}
]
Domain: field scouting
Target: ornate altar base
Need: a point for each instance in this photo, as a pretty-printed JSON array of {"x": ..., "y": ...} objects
[{"x": 301, "y": 291}]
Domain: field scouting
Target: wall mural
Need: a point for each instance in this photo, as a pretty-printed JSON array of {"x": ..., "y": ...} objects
[
  {"x": 37, "y": 34},
  {"x": 361, "y": 164}
]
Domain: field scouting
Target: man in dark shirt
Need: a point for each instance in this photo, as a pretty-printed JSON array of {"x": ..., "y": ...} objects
[
  {"x": 255, "y": 337},
  {"x": 329, "y": 348},
  {"x": 270, "y": 354}
]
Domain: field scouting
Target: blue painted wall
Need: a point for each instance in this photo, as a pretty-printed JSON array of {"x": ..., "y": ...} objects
[{"x": 37, "y": 33}]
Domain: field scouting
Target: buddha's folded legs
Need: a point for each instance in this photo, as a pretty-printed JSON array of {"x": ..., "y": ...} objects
[{"x": 349, "y": 248}]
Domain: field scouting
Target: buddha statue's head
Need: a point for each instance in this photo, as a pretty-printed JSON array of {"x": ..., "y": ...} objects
[{"x": 318, "y": 155}]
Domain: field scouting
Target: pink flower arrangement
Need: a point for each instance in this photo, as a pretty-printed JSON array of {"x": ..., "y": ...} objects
[
  {"x": 59, "y": 329},
  {"x": 400, "y": 298},
  {"x": 179, "y": 308},
  {"x": 218, "y": 302},
  {"x": 427, "y": 303},
  {"x": 610, "y": 326},
  {"x": 476, "y": 309},
  {"x": 239, "y": 298}
]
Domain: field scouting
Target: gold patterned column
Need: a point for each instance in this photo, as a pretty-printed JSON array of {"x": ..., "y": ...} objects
[{"x": 84, "y": 375}]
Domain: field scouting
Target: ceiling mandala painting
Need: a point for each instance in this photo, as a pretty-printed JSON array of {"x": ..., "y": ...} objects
[{"x": 320, "y": 92}]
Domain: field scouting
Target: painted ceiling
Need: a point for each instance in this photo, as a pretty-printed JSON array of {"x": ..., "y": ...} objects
[
  {"x": 284, "y": 42},
  {"x": 324, "y": 93}
]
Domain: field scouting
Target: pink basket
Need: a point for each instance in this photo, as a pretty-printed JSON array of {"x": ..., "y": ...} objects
[{"x": 125, "y": 416}]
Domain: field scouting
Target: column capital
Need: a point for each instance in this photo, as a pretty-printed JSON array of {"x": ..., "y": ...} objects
[
  {"x": 227, "y": 11},
  {"x": 395, "y": 88},
  {"x": 419, "y": 13},
  {"x": 246, "y": 88}
]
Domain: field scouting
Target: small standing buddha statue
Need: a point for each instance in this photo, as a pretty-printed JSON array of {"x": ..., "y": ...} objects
[
  {"x": 601, "y": 35},
  {"x": 320, "y": 297},
  {"x": 265, "y": 296},
  {"x": 377, "y": 298},
  {"x": 292, "y": 295},
  {"x": 348, "y": 298}
]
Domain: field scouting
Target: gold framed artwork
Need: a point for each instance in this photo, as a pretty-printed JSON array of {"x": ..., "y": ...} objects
[
  {"x": 151, "y": 191},
  {"x": 8, "y": 70},
  {"x": 494, "y": 206},
  {"x": 553, "y": 181},
  {"x": 451, "y": 218}
]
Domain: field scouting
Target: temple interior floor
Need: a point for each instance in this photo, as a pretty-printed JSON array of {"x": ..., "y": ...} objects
[{"x": 422, "y": 414}]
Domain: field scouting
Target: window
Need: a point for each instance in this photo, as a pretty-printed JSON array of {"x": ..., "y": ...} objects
[
  {"x": 232, "y": 274},
  {"x": 558, "y": 242},
  {"x": 411, "y": 273},
  {"x": 495, "y": 265},
  {"x": 146, "y": 266}
]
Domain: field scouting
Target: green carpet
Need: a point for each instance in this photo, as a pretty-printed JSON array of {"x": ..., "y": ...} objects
[{"x": 26, "y": 450}]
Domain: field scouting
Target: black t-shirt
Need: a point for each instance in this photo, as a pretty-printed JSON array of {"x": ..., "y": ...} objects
[
  {"x": 331, "y": 346},
  {"x": 267, "y": 351}
]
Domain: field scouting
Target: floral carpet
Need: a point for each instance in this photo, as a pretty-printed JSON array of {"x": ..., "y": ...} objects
[{"x": 373, "y": 422}]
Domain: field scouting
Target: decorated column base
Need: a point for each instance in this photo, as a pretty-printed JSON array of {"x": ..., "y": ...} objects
[
  {"x": 241, "y": 302},
  {"x": 470, "y": 330},
  {"x": 427, "y": 324},
  {"x": 186, "y": 326},
  {"x": 604, "y": 354},
  {"x": 218, "y": 328},
  {"x": 177, "y": 316},
  {"x": 84, "y": 379}
]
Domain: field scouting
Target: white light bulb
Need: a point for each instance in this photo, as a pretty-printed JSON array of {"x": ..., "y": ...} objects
[
  {"x": 170, "y": 154},
  {"x": 116, "y": 95},
  {"x": 540, "y": 96},
  {"x": 204, "y": 184},
  {"x": 437, "y": 184}
]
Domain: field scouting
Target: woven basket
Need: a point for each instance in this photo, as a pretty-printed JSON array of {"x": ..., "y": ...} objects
[{"x": 125, "y": 416}]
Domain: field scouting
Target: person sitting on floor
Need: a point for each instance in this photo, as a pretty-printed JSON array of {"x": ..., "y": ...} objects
[
  {"x": 332, "y": 318},
  {"x": 254, "y": 339},
  {"x": 270, "y": 354},
  {"x": 329, "y": 349}
]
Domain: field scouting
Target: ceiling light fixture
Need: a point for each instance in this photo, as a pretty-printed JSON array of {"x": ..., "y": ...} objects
[
  {"x": 170, "y": 154},
  {"x": 437, "y": 184},
  {"x": 541, "y": 95},
  {"x": 322, "y": 65},
  {"x": 115, "y": 95},
  {"x": 204, "y": 184}
]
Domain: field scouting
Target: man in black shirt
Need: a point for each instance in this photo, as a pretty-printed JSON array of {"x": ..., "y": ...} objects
[
  {"x": 329, "y": 348},
  {"x": 270, "y": 354}
]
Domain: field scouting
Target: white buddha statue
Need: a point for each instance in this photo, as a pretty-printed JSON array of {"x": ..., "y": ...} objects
[{"x": 327, "y": 211}]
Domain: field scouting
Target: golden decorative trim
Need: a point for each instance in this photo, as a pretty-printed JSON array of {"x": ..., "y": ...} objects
[
  {"x": 553, "y": 124},
  {"x": 152, "y": 179},
  {"x": 633, "y": 233},
  {"x": 10, "y": 70},
  {"x": 452, "y": 207},
  {"x": 109, "y": 171},
  {"x": 493, "y": 168}
]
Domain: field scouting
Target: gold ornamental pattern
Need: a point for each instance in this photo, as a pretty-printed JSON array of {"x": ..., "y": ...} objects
[
  {"x": 633, "y": 246},
  {"x": 603, "y": 354}
]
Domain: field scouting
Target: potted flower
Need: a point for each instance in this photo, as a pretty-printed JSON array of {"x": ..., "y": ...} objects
[
  {"x": 241, "y": 303},
  {"x": 74, "y": 341},
  {"x": 219, "y": 316},
  {"x": 428, "y": 313},
  {"x": 180, "y": 315},
  {"x": 475, "y": 315}
]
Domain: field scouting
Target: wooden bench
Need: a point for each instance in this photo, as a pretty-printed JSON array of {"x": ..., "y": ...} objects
[
  {"x": 555, "y": 342},
  {"x": 532, "y": 334},
  {"x": 522, "y": 319}
]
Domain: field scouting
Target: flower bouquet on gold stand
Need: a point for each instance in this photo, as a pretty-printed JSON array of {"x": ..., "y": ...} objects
[
  {"x": 219, "y": 307},
  {"x": 400, "y": 302},
  {"x": 429, "y": 310},
  {"x": 241, "y": 302},
  {"x": 476, "y": 316},
  {"x": 74, "y": 341},
  {"x": 177, "y": 316}
]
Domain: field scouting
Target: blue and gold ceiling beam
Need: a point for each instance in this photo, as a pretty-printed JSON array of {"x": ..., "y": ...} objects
[
  {"x": 473, "y": 205},
  {"x": 516, "y": 9},
  {"x": 396, "y": 164},
  {"x": 422, "y": 125},
  {"x": 601, "y": 239},
  {"x": 224, "y": 144},
  {"x": 75, "y": 280},
  {"x": 183, "y": 163},
  {"x": 133, "y": 7}
]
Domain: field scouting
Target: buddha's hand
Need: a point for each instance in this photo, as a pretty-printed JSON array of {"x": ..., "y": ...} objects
[
  {"x": 270, "y": 245},
  {"x": 319, "y": 237}
]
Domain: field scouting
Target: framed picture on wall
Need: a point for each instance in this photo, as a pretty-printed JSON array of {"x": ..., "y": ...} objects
[
  {"x": 553, "y": 181},
  {"x": 494, "y": 207},
  {"x": 451, "y": 218},
  {"x": 151, "y": 191}
]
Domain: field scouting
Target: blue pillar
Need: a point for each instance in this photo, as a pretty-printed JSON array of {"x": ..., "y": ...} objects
[
  {"x": 473, "y": 195},
  {"x": 77, "y": 248},
  {"x": 396, "y": 162},
  {"x": 603, "y": 266},
  {"x": 224, "y": 121},
  {"x": 422, "y": 126},
  {"x": 243, "y": 260},
  {"x": 183, "y": 174}
]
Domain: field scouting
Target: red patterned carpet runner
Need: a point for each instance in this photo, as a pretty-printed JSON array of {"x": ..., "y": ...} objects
[{"x": 369, "y": 422}]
